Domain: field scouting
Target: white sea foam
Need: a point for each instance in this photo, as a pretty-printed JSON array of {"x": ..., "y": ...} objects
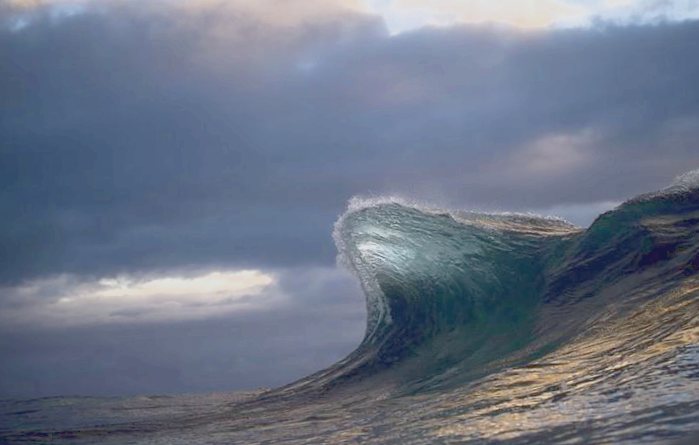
[{"x": 685, "y": 182}]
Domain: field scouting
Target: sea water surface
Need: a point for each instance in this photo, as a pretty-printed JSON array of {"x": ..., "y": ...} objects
[{"x": 482, "y": 328}]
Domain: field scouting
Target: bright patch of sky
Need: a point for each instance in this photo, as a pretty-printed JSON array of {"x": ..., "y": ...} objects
[
  {"x": 68, "y": 300},
  {"x": 406, "y": 15}
]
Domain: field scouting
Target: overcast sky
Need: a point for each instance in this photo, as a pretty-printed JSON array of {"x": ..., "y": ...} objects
[{"x": 170, "y": 171}]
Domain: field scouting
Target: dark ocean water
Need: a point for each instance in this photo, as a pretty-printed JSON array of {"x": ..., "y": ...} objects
[{"x": 482, "y": 328}]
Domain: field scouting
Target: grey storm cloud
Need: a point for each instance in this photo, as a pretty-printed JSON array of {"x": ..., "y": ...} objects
[{"x": 150, "y": 138}]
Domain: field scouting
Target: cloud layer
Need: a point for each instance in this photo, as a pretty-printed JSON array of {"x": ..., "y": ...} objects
[
  {"x": 66, "y": 300},
  {"x": 139, "y": 138}
]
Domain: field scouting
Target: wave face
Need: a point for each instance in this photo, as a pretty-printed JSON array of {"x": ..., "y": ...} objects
[
  {"x": 454, "y": 291},
  {"x": 493, "y": 328}
]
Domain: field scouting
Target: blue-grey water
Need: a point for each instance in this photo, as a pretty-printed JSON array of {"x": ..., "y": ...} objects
[{"x": 482, "y": 328}]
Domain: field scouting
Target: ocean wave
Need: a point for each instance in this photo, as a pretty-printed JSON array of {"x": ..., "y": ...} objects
[{"x": 491, "y": 328}]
